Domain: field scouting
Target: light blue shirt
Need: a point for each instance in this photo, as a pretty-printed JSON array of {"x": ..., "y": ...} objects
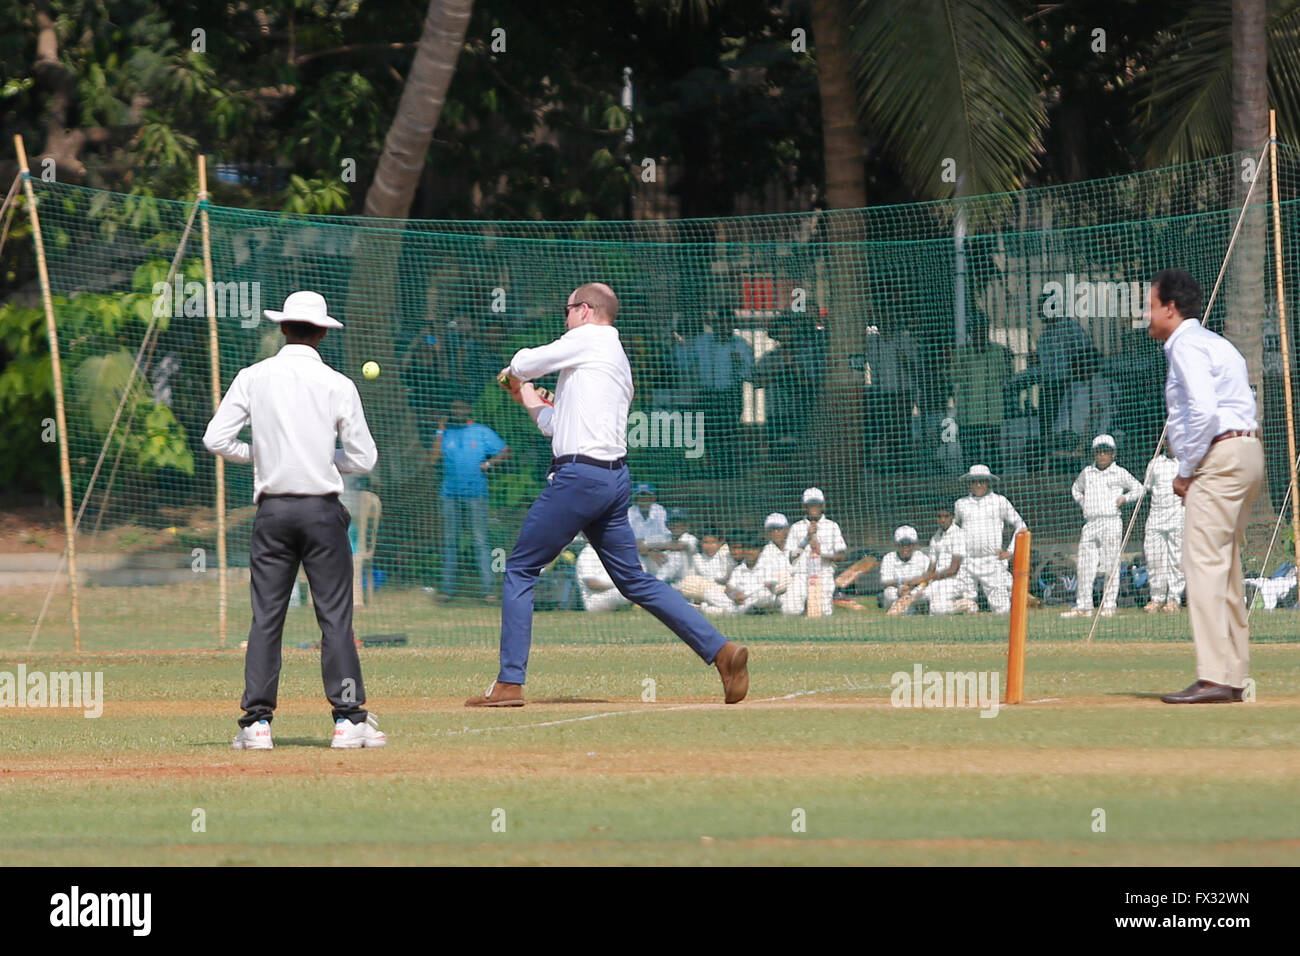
[
  {"x": 464, "y": 449},
  {"x": 1207, "y": 392}
]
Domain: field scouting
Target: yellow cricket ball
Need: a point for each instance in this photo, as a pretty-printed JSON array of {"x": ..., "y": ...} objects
[{"x": 370, "y": 370}]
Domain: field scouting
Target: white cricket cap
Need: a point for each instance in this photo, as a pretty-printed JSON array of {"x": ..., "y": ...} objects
[
  {"x": 305, "y": 307},
  {"x": 775, "y": 520},
  {"x": 813, "y": 494},
  {"x": 1103, "y": 441},
  {"x": 906, "y": 534}
]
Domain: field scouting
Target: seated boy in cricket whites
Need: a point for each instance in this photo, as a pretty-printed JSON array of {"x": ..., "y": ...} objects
[
  {"x": 951, "y": 589},
  {"x": 982, "y": 515},
  {"x": 814, "y": 543},
  {"x": 750, "y": 587},
  {"x": 1101, "y": 490},
  {"x": 774, "y": 561},
  {"x": 707, "y": 572},
  {"x": 905, "y": 574},
  {"x": 595, "y": 584}
]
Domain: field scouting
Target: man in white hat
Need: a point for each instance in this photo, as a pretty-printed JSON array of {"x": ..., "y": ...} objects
[
  {"x": 298, "y": 408},
  {"x": 904, "y": 570},
  {"x": 1101, "y": 490},
  {"x": 814, "y": 542},
  {"x": 982, "y": 515}
]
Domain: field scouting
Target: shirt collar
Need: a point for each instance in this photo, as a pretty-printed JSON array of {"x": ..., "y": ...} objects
[
  {"x": 300, "y": 351},
  {"x": 1169, "y": 342}
]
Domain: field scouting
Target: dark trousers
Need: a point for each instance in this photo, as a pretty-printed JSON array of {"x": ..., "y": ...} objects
[
  {"x": 588, "y": 498},
  {"x": 310, "y": 530}
]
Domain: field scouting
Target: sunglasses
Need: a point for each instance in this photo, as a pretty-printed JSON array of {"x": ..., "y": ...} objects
[{"x": 569, "y": 308}]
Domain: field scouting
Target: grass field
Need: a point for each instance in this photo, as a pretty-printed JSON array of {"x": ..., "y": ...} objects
[{"x": 589, "y": 772}]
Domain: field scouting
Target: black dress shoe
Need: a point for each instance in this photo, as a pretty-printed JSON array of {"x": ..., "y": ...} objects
[
  {"x": 1202, "y": 692},
  {"x": 1236, "y": 694}
]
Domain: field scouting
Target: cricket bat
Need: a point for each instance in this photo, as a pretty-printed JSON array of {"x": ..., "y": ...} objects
[
  {"x": 903, "y": 603},
  {"x": 814, "y": 606}
]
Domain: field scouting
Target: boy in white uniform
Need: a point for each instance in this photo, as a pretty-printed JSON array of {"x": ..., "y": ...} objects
[
  {"x": 707, "y": 573},
  {"x": 677, "y": 553},
  {"x": 981, "y": 515},
  {"x": 818, "y": 538},
  {"x": 1163, "y": 541},
  {"x": 597, "y": 587},
  {"x": 649, "y": 523},
  {"x": 951, "y": 589},
  {"x": 774, "y": 561},
  {"x": 749, "y": 587},
  {"x": 905, "y": 570},
  {"x": 1101, "y": 490}
]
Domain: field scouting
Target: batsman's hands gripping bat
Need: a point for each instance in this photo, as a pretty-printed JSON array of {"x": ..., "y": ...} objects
[{"x": 515, "y": 386}]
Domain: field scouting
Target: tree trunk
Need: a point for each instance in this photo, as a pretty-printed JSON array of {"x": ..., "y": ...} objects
[
  {"x": 1244, "y": 319},
  {"x": 407, "y": 142},
  {"x": 839, "y": 424}
]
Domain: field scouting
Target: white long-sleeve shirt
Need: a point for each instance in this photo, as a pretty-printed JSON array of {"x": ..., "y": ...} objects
[
  {"x": 651, "y": 528},
  {"x": 297, "y": 407},
  {"x": 717, "y": 568},
  {"x": 829, "y": 537},
  {"x": 750, "y": 581},
  {"x": 776, "y": 564},
  {"x": 1207, "y": 392},
  {"x": 1098, "y": 490},
  {"x": 982, "y": 519},
  {"x": 592, "y": 395}
]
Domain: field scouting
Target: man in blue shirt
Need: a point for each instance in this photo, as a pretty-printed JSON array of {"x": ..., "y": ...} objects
[{"x": 468, "y": 451}]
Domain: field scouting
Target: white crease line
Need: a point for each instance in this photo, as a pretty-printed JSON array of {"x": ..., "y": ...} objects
[{"x": 620, "y": 713}]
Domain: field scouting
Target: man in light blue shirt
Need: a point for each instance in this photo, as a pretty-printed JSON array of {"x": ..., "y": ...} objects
[
  {"x": 1214, "y": 433},
  {"x": 468, "y": 452}
]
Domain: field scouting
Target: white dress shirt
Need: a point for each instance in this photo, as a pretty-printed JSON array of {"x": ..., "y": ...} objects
[
  {"x": 1098, "y": 490},
  {"x": 296, "y": 406},
  {"x": 593, "y": 393},
  {"x": 982, "y": 519},
  {"x": 1207, "y": 392}
]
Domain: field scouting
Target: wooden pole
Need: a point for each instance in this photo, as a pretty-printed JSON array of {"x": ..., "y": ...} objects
[
  {"x": 56, "y": 366},
  {"x": 1019, "y": 618},
  {"x": 214, "y": 355},
  {"x": 1284, "y": 342}
]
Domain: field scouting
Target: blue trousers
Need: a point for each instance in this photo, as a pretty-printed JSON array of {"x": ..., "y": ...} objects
[{"x": 593, "y": 500}]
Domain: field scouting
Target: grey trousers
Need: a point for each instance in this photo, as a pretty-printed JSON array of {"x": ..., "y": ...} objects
[{"x": 310, "y": 530}]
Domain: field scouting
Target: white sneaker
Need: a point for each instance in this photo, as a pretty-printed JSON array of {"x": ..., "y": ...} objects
[
  {"x": 1075, "y": 612},
  {"x": 350, "y": 736},
  {"x": 254, "y": 737}
]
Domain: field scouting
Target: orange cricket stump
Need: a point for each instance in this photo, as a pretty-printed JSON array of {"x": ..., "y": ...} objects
[{"x": 1019, "y": 618}]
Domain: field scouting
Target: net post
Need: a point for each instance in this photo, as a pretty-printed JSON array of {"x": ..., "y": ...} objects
[
  {"x": 214, "y": 357},
  {"x": 56, "y": 368},
  {"x": 1019, "y": 617},
  {"x": 1284, "y": 341}
]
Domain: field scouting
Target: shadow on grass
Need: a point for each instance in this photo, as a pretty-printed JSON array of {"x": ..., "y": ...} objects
[{"x": 1139, "y": 694}]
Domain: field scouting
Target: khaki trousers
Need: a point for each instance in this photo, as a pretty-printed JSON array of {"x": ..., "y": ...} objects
[{"x": 1228, "y": 480}]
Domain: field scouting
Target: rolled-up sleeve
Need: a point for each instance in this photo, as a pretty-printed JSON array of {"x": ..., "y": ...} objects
[{"x": 222, "y": 435}]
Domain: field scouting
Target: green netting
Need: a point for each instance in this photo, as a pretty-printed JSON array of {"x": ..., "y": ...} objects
[{"x": 875, "y": 354}]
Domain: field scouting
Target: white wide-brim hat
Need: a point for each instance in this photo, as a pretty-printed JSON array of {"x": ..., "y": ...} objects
[
  {"x": 979, "y": 473},
  {"x": 305, "y": 307}
]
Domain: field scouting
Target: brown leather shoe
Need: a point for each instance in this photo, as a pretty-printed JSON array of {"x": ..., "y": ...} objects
[
  {"x": 499, "y": 694},
  {"x": 1201, "y": 692},
  {"x": 732, "y": 663}
]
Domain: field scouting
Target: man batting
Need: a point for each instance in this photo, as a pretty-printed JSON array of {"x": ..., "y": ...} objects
[
  {"x": 297, "y": 408},
  {"x": 587, "y": 490},
  {"x": 1215, "y": 435}
]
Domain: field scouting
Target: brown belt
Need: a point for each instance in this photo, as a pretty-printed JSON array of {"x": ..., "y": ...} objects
[{"x": 1235, "y": 433}]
